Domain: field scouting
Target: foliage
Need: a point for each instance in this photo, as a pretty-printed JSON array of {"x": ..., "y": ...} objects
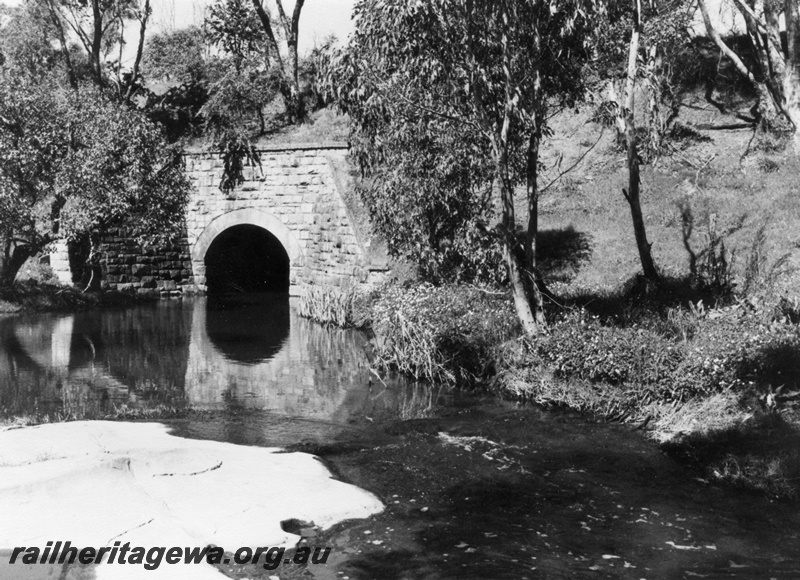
[
  {"x": 430, "y": 198},
  {"x": 250, "y": 30},
  {"x": 747, "y": 348},
  {"x": 711, "y": 267},
  {"x": 580, "y": 346},
  {"x": 761, "y": 273},
  {"x": 177, "y": 111},
  {"x": 237, "y": 96},
  {"x": 76, "y": 162},
  {"x": 445, "y": 334},
  {"x": 233, "y": 26},
  {"x": 666, "y": 63},
  {"x": 418, "y": 79},
  {"x": 773, "y": 72},
  {"x": 175, "y": 56},
  {"x": 26, "y": 39}
]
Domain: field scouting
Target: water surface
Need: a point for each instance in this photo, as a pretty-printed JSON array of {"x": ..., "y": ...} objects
[
  {"x": 250, "y": 356},
  {"x": 474, "y": 489}
]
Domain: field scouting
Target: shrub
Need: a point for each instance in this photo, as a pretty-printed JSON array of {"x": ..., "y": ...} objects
[
  {"x": 745, "y": 348},
  {"x": 445, "y": 334},
  {"x": 581, "y": 347}
]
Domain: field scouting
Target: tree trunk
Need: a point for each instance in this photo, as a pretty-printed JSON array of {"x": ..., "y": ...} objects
[
  {"x": 289, "y": 89},
  {"x": 632, "y": 196},
  {"x": 93, "y": 265},
  {"x": 73, "y": 79},
  {"x": 535, "y": 286},
  {"x": 530, "y": 317},
  {"x": 791, "y": 80},
  {"x": 139, "y": 50},
  {"x": 13, "y": 258},
  {"x": 97, "y": 43},
  {"x": 527, "y": 317},
  {"x": 765, "y": 110},
  {"x": 631, "y": 141}
]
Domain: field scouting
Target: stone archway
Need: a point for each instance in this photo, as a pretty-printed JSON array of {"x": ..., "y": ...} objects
[{"x": 246, "y": 217}]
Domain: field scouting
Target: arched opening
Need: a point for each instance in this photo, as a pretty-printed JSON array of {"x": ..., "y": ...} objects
[{"x": 246, "y": 258}]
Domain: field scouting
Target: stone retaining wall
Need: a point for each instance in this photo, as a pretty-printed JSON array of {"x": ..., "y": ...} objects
[
  {"x": 293, "y": 194},
  {"x": 129, "y": 266}
]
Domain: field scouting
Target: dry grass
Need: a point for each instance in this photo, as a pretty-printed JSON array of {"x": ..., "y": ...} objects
[
  {"x": 712, "y": 174},
  {"x": 700, "y": 416}
]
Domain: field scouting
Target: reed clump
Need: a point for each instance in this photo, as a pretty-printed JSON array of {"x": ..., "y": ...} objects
[{"x": 331, "y": 305}]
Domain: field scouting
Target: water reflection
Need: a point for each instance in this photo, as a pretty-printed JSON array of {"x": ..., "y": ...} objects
[
  {"x": 249, "y": 328},
  {"x": 252, "y": 355}
]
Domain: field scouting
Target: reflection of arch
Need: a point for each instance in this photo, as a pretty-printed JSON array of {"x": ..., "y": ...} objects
[
  {"x": 246, "y": 330},
  {"x": 251, "y": 216}
]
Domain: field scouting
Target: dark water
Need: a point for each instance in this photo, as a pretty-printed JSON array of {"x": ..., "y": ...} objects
[{"x": 266, "y": 375}]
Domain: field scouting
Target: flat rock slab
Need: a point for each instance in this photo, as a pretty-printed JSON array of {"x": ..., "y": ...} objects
[{"x": 94, "y": 483}]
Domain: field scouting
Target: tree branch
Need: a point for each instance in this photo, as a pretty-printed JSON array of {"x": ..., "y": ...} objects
[
  {"x": 726, "y": 50},
  {"x": 266, "y": 24},
  {"x": 574, "y": 165}
]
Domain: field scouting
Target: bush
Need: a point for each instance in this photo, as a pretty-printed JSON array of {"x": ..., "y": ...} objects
[
  {"x": 446, "y": 334},
  {"x": 583, "y": 348},
  {"x": 746, "y": 348}
]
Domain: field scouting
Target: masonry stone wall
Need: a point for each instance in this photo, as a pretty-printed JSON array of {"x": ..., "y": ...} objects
[
  {"x": 292, "y": 193},
  {"x": 129, "y": 266}
]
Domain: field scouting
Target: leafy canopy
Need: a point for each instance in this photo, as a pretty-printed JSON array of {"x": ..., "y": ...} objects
[
  {"x": 436, "y": 90},
  {"x": 72, "y": 162}
]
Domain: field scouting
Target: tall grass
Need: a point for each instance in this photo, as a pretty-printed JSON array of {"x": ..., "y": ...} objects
[
  {"x": 445, "y": 335},
  {"x": 330, "y": 305}
]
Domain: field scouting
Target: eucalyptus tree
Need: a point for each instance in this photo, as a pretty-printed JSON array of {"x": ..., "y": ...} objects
[
  {"x": 175, "y": 56},
  {"x": 774, "y": 72},
  {"x": 489, "y": 70},
  {"x": 99, "y": 27},
  {"x": 248, "y": 28}
]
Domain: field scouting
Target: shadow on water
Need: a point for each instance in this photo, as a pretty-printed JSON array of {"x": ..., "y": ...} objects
[{"x": 502, "y": 492}]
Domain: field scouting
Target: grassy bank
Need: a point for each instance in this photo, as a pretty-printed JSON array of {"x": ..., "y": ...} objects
[{"x": 718, "y": 387}]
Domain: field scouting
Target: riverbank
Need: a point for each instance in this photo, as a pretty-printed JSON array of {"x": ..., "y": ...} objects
[
  {"x": 34, "y": 296},
  {"x": 713, "y": 379}
]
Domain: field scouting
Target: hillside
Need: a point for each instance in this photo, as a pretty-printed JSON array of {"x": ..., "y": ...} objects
[{"x": 715, "y": 170}]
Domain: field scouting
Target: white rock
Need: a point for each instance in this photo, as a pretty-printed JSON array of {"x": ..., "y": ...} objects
[{"x": 94, "y": 482}]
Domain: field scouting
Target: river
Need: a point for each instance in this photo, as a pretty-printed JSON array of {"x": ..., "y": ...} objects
[{"x": 474, "y": 487}]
